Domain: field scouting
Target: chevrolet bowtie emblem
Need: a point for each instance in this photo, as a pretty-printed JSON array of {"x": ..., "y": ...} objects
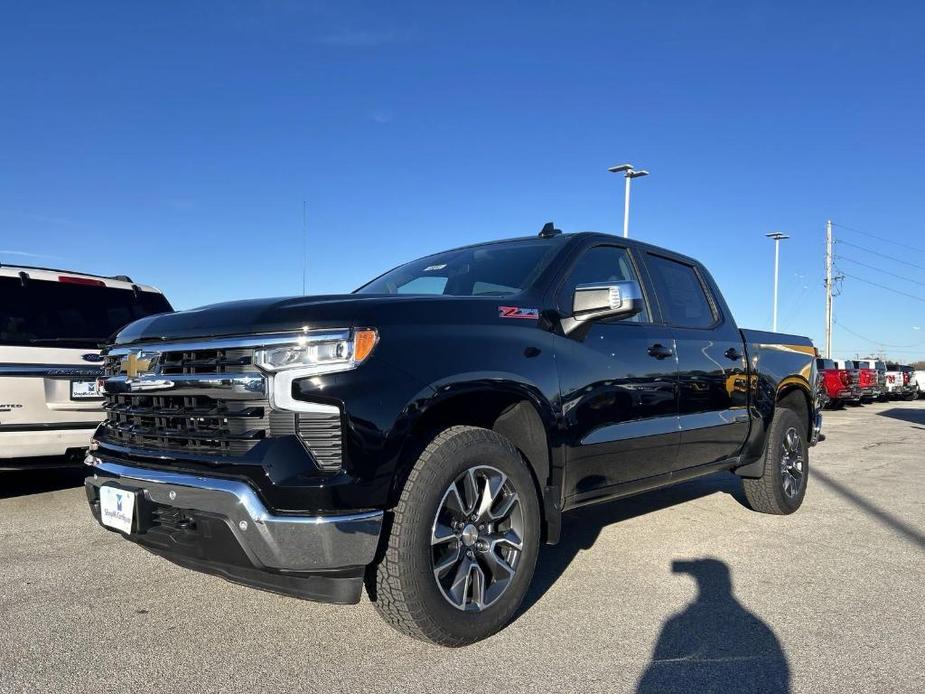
[{"x": 138, "y": 363}]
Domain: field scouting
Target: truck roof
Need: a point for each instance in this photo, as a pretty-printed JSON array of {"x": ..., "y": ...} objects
[
  {"x": 581, "y": 235},
  {"x": 54, "y": 275}
]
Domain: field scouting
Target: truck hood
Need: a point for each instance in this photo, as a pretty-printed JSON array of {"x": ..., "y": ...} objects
[{"x": 256, "y": 316}]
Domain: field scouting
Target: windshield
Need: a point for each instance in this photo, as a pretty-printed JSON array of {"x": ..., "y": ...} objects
[
  {"x": 57, "y": 314},
  {"x": 495, "y": 269}
]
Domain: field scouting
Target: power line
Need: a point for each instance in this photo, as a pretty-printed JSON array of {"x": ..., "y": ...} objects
[
  {"x": 849, "y": 350},
  {"x": 885, "y": 272},
  {"x": 794, "y": 307},
  {"x": 867, "y": 339},
  {"x": 879, "y": 238},
  {"x": 882, "y": 255},
  {"x": 882, "y": 286}
]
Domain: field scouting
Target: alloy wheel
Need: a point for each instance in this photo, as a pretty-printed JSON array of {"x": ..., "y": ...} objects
[
  {"x": 477, "y": 538},
  {"x": 792, "y": 462}
]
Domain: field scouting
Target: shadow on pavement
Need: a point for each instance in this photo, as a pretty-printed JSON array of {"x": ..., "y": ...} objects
[
  {"x": 581, "y": 527},
  {"x": 871, "y": 509},
  {"x": 907, "y": 414},
  {"x": 715, "y": 644},
  {"x": 37, "y": 480}
]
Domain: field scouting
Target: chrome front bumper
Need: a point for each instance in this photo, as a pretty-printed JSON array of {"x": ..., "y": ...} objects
[{"x": 278, "y": 542}]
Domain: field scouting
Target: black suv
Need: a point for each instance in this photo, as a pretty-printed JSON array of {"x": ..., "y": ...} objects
[{"x": 426, "y": 432}]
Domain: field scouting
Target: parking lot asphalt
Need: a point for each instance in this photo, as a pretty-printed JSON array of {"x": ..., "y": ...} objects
[{"x": 831, "y": 599}]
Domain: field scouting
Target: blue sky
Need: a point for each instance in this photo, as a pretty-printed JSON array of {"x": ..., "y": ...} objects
[{"x": 176, "y": 141}]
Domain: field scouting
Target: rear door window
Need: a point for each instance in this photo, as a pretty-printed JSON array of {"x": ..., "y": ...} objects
[{"x": 681, "y": 293}]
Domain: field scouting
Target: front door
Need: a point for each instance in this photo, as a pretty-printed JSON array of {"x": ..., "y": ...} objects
[{"x": 619, "y": 388}]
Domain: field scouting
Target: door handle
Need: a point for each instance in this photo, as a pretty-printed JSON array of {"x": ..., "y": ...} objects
[
  {"x": 659, "y": 351},
  {"x": 733, "y": 354}
]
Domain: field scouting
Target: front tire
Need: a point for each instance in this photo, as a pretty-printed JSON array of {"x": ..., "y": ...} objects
[
  {"x": 463, "y": 543},
  {"x": 782, "y": 486}
]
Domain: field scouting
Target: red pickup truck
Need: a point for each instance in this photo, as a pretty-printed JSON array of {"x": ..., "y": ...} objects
[
  {"x": 868, "y": 380},
  {"x": 839, "y": 384}
]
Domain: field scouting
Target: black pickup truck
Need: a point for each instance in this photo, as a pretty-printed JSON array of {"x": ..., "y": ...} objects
[{"x": 425, "y": 433}]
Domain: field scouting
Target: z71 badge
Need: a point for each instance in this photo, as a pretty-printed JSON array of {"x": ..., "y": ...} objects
[{"x": 517, "y": 312}]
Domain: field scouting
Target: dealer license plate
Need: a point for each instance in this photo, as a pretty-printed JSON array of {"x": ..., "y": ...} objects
[
  {"x": 117, "y": 508},
  {"x": 85, "y": 390}
]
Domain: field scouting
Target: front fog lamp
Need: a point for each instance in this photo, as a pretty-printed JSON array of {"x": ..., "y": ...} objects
[{"x": 320, "y": 352}]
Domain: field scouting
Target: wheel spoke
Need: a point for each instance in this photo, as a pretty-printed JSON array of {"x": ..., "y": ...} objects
[
  {"x": 500, "y": 569},
  {"x": 490, "y": 491},
  {"x": 509, "y": 538},
  {"x": 505, "y": 507},
  {"x": 447, "y": 563},
  {"x": 477, "y": 586},
  {"x": 470, "y": 491},
  {"x": 453, "y": 502},
  {"x": 460, "y": 586},
  {"x": 441, "y": 533}
]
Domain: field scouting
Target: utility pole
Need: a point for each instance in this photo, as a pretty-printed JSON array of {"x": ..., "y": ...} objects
[
  {"x": 777, "y": 237},
  {"x": 828, "y": 289},
  {"x": 629, "y": 173}
]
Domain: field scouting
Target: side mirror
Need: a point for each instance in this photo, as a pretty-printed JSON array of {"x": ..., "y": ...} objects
[{"x": 603, "y": 300}]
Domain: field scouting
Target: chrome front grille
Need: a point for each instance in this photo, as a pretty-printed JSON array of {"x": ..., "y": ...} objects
[
  {"x": 196, "y": 361},
  {"x": 205, "y": 399}
]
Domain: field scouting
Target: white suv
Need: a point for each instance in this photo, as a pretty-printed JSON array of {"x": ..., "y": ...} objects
[{"x": 52, "y": 324}]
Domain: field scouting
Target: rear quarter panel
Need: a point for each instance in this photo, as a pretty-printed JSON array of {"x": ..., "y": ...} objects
[{"x": 777, "y": 363}]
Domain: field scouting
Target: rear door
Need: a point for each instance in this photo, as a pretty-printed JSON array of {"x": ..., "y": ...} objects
[
  {"x": 712, "y": 373},
  {"x": 618, "y": 384}
]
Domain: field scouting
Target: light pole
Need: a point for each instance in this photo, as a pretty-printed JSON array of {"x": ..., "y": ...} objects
[
  {"x": 629, "y": 173},
  {"x": 777, "y": 237}
]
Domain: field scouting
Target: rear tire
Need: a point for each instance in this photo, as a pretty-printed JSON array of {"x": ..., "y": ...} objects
[
  {"x": 780, "y": 490},
  {"x": 463, "y": 543}
]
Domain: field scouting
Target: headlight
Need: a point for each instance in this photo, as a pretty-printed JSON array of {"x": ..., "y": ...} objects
[{"x": 323, "y": 351}]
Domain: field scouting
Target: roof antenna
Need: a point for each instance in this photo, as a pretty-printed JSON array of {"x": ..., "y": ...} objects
[
  {"x": 304, "y": 246},
  {"x": 549, "y": 230}
]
